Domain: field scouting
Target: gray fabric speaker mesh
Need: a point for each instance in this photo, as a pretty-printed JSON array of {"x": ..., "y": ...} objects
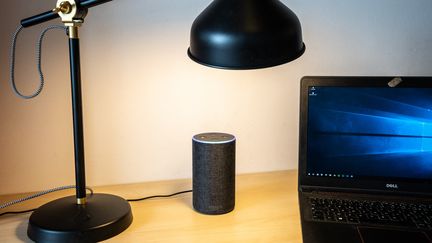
[{"x": 213, "y": 177}]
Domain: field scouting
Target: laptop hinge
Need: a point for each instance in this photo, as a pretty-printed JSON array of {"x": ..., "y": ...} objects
[{"x": 361, "y": 191}]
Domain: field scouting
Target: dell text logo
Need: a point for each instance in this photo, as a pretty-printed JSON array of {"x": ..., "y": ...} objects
[{"x": 392, "y": 186}]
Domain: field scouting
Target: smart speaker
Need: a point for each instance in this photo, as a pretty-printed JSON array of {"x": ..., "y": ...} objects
[{"x": 213, "y": 178}]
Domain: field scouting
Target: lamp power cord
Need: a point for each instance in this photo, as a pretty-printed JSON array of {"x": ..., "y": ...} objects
[
  {"x": 38, "y": 60},
  {"x": 20, "y": 200},
  {"x": 40, "y": 194}
]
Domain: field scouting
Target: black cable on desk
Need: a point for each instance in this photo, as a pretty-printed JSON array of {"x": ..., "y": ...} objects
[{"x": 157, "y": 196}]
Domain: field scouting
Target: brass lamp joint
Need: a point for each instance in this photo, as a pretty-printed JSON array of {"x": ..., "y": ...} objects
[
  {"x": 72, "y": 31},
  {"x": 64, "y": 7},
  {"x": 81, "y": 201},
  {"x": 70, "y": 13}
]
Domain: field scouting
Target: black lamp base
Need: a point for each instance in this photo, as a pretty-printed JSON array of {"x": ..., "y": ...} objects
[{"x": 62, "y": 220}]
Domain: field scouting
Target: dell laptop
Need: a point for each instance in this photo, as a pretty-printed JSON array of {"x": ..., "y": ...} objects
[{"x": 365, "y": 159}]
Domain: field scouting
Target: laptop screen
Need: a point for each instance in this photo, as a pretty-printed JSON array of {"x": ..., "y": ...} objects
[
  {"x": 369, "y": 132},
  {"x": 365, "y": 133}
]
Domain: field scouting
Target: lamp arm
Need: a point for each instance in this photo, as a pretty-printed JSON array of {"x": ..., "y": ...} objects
[
  {"x": 40, "y": 18},
  {"x": 92, "y": 3},
  {"x": 52, "y": 14}
]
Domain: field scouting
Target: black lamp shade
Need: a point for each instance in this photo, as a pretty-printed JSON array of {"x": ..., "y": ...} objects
[{"x": 246, "y": 34}]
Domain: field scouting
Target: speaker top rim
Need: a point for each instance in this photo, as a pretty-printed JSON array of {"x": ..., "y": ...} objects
[{"x": 214, "y": 138}]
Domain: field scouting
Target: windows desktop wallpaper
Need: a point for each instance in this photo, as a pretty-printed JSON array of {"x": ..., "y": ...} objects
[{"x": 370, "y": 132}]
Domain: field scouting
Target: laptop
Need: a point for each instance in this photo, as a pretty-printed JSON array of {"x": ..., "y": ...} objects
[{"x": 365, "y": 159}]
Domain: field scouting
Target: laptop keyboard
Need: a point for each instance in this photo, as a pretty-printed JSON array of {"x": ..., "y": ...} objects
[{"x": 372, "y": 212}]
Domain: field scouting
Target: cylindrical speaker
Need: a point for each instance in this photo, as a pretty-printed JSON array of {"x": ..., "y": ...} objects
[{"x": 213, "y": 178}]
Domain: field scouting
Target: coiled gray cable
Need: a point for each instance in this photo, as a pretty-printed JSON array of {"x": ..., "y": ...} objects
[
  {"x": 40, "y": 194},
  {"x": 38, "y": 59}
]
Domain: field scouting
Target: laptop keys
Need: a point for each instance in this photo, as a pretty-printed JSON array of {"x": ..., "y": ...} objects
[{"x": 372, "y": 212}]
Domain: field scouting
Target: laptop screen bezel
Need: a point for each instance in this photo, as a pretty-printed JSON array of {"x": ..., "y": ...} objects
[{"x": 362, "y": 184}]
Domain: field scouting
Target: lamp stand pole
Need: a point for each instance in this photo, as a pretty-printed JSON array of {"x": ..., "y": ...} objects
[
  {"x": 78, "y": 218},
  {"x": 75, "y": 72}
]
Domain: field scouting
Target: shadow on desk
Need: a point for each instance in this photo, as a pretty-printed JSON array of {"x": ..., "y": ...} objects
[{"x": 21, "y": 231}]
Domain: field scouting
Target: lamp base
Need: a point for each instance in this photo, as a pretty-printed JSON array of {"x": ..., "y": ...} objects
[{"x": 63, "y": 220}]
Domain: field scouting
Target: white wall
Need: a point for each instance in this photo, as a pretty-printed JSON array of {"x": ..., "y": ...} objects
[{"x": 144, "y": 99}]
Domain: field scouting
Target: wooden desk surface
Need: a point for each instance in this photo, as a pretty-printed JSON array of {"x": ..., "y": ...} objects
[{"x": 266, "y": 211}]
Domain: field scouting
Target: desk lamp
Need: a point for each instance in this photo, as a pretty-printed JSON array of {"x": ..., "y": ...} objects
[{"x": 231, "y": 34}]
